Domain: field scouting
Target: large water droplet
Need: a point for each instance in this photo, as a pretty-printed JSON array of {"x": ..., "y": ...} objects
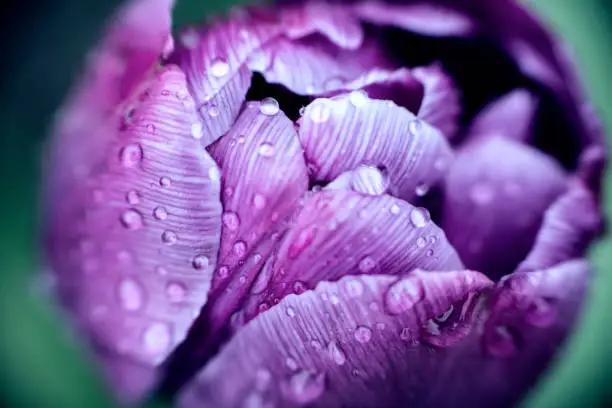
[
  {"x": 157, "y": 338},
  {"x": 481, "y": 194},
  {"x": 176, "y": 292},
  {"x": 419, "y": 217},
  {"x": 132, "y": 219},
  {"x": 200, "y": 261},
  {"x": 266, "y": 150},
  {"x": 421, "y": 189},
  {"x": 230, "y": 220},
  {"x": 160, "y": 213},
  {"x": 319, "y": 111},
  {"x": 304, "y": 387},
  {"x": 269, "y": 106},
  {"x": 169, "y": 237},
  {"x": 131, "y": 294},
  {"x": 239, "y": 248},
  {"x": 403, "y": 295},
  {"x": 367, "y": 264},
  {"x": 131, "y": 155},
  {"x": 500, "y": 342},
  {"x": 132, "y": 197},
  {"x": 219, "y": 67},
  {"x": 336, "y": 353},
  {"x": 363, "y": 334}
]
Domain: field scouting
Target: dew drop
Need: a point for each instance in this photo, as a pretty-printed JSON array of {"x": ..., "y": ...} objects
[
  {"x": 354, "y": 288},
  {"x": 131, "y": 155},
  {"x": 239, "y": 248},
  {"x": 395, "y": 209},
  {"x": 421, "y": 189},
  {"x": 197, "y": 131},
  {"x": 219, "y": 67},
  {"x": 358, "y": 98},
  {"x": 176, "y": 292},
  {"x": 156, "y": 339},
  {"x": 304, "y": 387},
  {"x": 415, "y": 126},
  {"x": 299, "y": 287},
  {"x": 419, "y": 217},
  {"x": 160, "y": 213},
  {"x": 363, "y": 334},
  {"x": 259, "y": 201},
  {"x": 367, "y": 264},
  {"x": 319, "y": 111},
  {"x": 151, "y": 128},
  {"x": 301, "y": 242},
  {"x": 266, "y": 150},
  {"x": 269, "y": 107},
  {"x": 212, "y": 111},
  {"x": 200, "y": 261},
  {"x": 130, "y": 294},
  {"x": 132, "y": 219},
  {"x": 430, "y": 252},
  {"x": 223, "y": 272},
  {"x": 214, "y": 174},
  {"x": 165, "y": 181},
  {"x": 230, "y": 220},
  {"x": 169, "y": 237},
  {"x": 336, "y": 353},
  {"x": 132, "y": 197},
  {"x": 421, "y": 242},
  {"x": 289, "y": 311},
  {"x": 403, "y": 295},
  {"x": 291, "y": 364}
]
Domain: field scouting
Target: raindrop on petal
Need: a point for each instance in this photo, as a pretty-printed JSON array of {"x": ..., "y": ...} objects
[
  {"x": 200, "y": 262},
  {"x": 363, "y": 334},
  {"x": 269, "y": 106},
  {"x": 131, "y": 155},
  {"x": 132, "y": 219},
  {"x": 419, "y": 217},
  {"x": 156, "y": 339},
  {"x": 230, "y": 220},
  {"x": 160, "y": 213},
  {"x": 131, "y": 294},
  {"x": 219, "y": 67},
  {"x": 304, "y": 387},
  {"x": 367, "y": 264},
  {"x": 169, "y": 237},
  {"x": 336, "y": 353},
  {"x": 176, "y": 292}
]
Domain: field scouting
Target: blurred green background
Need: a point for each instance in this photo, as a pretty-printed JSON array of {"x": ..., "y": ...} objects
[{"x": 39, "y": 364}]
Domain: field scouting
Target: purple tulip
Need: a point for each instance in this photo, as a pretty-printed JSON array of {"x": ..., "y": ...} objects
[{"x": 343, "y": 204}]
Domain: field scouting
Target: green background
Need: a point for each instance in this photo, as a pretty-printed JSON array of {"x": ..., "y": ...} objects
[{"x": 39, "y": 363}]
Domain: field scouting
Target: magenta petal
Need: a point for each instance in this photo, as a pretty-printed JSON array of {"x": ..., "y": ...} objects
[
  {"x": 346, "y": 131},
  {"x": 510, "y": 116},
  {"x": 134, "y": 244},
  {"x": 337, "y": 346},
  {"x": 421, "y": 17},
  {"x": 496, "y": 193},
  {"x": 441, "y": 104},
  {"x": 341, "y": 232}
]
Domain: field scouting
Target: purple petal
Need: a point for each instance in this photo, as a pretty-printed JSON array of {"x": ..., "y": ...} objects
[
  {"x": 346, "y": 131},
  {"x": 135, "y": 244},
  {"x": 441, "y": 105},
  {"x": 510, "y": 116},
  {"x": 264, "y": 177},
  {"x": 420, "y": 17},
  {"x": 340, "y": 233},
  {"x": 338, "y": 346},
  {"x": 496, "y": 193}
]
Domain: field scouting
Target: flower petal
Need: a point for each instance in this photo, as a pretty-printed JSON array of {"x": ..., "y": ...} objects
[
  {"x": 338, "y": 233},
  {"x": 344, "y": 132},
  {"x": 496, "y": 193},
  {"x": 420, "y": 17},
  {"x": 510, "y": 116},
  {"x": 364, "y": 179},
  {"x": 441, "y": 105},
  {"x": 337, "y": 346},
  {"x": 135, "y": 242}
]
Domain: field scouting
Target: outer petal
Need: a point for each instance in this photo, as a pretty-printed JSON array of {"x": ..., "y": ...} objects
[
  {"x": 343, "y": 132},
  {"x": 134, "y": 245},
  {"x": 510, "y": 116},
  {"x": 496, "y": 193},
  {"x": 340, "y": 233},
  {"x": 337, "y": 346}
]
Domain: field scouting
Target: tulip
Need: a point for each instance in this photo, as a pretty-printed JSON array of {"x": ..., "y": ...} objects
[{"x": 326, "y": 204}]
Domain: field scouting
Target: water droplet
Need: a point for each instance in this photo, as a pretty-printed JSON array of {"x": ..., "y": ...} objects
[
  {"x": 219, "y": 67},
  {"x": 169, "y": 237},
  {"x": 403, "y": 295},
  {"x": 223, "y": 272},
  {"x": 358, "y": 98},
  {"x": 165, "y": 181},
  {"x": 334, "y": 300},
  {"x": 131, "y": 155},
  {"x": 430, "y": 252},
  {"x": 415, "y": 126},
  {"x": 239, "y": 248},
  {"x": 421, "y": 242},
  {"x": 363, "y": 334},
  {"x": 151, "y": 128},
  {"x": 269, "y": 106},
  {"x": 421, "y": 189},
  {"x": 266, "y": 150},
  {"x": 291, "y": 364},
  {"x": 301, "y": 242},
  {"x": 354, "y": 288},
  {"x": 259, "y": 201},
  {"x": 299, "y": 287},
  {"x": 541, "y": 313},
  {"x": 176, "y": 292},
  {"x": 132, "y": 219},
  {"x": 316, "y": 344},
  {"x": 367, "y": 264},
  {"x": 433, "y": 239},
  {"x": 157, "y": 338},
  {"x": 481, "y": 194},
  {"x": 132, "y": 197},
  {"x": 160, "y": 213},
  {"x": 200, "y": 261},
  {"x": 290, "y": 311},
  {"x": 336, "y": 353},
  {"x": 197, "y": 131},
  {"x": 130, "y": 294},
  {"x": 500, "y": 342},
  {"x": 212, "y": 111},
  {"x": 230, "y": 220},
  {"x": 395, "y": 209},
  {"x": 319, "y": 111},
  {"x": 304, "y": 387},
  {"x": 419, "y": 217}
]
